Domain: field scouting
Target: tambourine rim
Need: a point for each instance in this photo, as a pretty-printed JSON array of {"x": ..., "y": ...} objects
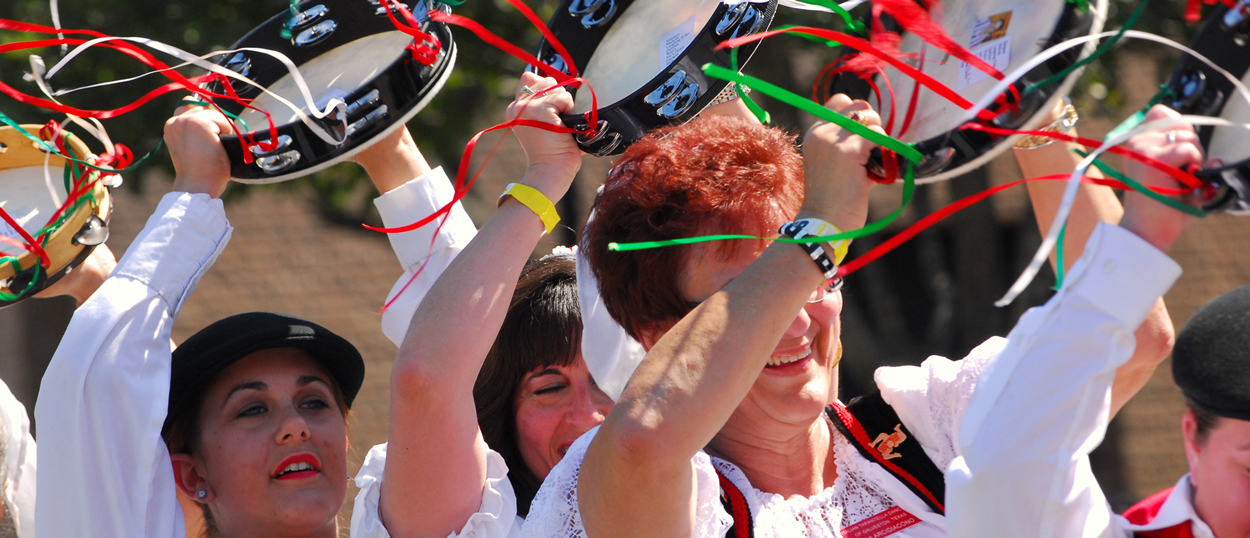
[
  {"x": 437, "y": 87},
  {"x": 445, "y": 62},
  {"x": 103, "y": 209}
]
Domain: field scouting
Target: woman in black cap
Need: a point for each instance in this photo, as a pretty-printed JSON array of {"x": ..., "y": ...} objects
[{"x": 251, "y": 410}]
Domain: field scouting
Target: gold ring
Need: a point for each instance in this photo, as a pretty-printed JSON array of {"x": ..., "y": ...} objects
[
  {"x": 527, "y": 91},
  {"x": 859, "y": 118}
]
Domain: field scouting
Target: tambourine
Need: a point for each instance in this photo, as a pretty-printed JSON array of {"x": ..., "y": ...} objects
[
  {"x": 344, "y": 49},
  {"x": 644, "y": 60},
  {"x": 1005, "y": 34},
  {"x": 1197, "y": 89},
  {"x": 26, "y": 195}
]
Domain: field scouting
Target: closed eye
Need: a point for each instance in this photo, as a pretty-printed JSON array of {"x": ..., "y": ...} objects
[{"x": 550, "y": 389}]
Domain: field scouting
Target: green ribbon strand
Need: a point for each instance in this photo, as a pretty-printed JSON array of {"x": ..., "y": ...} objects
[
  {"x": 909, "y": 188},
  {"x": 903, "y": 149}
]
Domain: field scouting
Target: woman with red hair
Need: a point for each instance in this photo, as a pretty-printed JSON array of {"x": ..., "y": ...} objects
[{"x": 726, "y": 427}]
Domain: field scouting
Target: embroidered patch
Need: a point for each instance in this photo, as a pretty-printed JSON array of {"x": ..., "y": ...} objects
[
  {"x": 881, "y": 525},
  {"x": 885, "y": 443}
]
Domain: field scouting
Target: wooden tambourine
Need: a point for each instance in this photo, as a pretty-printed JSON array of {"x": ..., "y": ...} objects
[{"x": 25, "y": 194}]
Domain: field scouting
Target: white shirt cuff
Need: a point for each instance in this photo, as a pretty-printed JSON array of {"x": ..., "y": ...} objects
[
  {"x": 180, "y": 242},
  {"x": 1122, "y": 273},
  {"x": 416, "y": 200}
]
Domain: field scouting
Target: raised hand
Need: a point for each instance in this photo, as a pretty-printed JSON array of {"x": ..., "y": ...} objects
[
  {"x": 834, "y": 161},
  {"x": 554, "y": 158},
  {"x": 193, "y": 136},
  {"x": 1178, "y": 146}
]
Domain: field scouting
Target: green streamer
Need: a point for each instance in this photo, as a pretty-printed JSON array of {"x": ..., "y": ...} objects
[
  {"x": 1063, "y": 232},
  {"x": 5, "y": 119},
  {"x": 1170, "y": 202},
  {"x": 754, "y": 107},
  {"x": 852, "y": 25},
  {"x": 1133, "y": 121},
  {"x": 903, "y": 149},
  {"x": 1097, "y": 53},
  {"x": 909, "y": 187},
  {"x": 17, "y": 269}
]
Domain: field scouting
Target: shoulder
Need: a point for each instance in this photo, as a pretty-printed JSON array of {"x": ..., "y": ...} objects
[{"x": 932, "y": 398}]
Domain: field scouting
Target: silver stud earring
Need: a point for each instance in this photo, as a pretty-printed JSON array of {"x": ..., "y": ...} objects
[{"x": 202, "y": 495}]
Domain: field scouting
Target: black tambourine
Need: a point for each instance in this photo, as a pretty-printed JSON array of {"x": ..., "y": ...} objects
[
  {"x": 1197, "y": 89},
  {"x": 1004, "y": 33},
  {"x": 344, "y": 49},
  {"x": 644, "y": 59}
]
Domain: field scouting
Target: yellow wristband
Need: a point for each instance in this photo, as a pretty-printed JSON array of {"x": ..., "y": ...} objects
[
  {"x": 822, "y": 228},
  {"x": 536, "y": 201}
]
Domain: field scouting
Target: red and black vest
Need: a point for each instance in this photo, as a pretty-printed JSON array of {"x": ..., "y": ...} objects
[{"x": 874, "y": 429}]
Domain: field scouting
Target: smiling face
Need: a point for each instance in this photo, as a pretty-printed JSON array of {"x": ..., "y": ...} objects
[
  {"x": 800, "y": 378},
  {"x": 554, "y": 406},
  {"x": 273, "y": 447},
  {"x": 1219, "y": 469}
]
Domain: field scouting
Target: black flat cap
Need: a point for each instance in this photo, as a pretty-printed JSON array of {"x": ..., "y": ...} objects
[
  {"x": 197, "y": 361},
  {"x": 1211, "y": 359}
]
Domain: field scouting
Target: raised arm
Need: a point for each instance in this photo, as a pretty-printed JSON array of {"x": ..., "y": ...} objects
[
  {"x": 410, "y": 191},
  {"x": 1094, "y": 204},
  {"x": 436, "y": 461},
  {"x": 1042, "y": 404},
  {"x": 105, "y": 394},
  {"x": 695, "y": 376}
]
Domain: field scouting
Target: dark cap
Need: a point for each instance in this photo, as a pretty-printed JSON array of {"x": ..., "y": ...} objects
[
  {"x": 1211, "y": 359},
  {"x": 197, "y": 361}
]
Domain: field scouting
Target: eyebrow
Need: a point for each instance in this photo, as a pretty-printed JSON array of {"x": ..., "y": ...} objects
[
  {"x": 309, "y": 379},
  {"x": 249, "y": 385},
  {"x": 545, "y": 372}
]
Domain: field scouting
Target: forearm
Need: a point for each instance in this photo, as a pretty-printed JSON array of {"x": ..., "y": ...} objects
[
  {"x": 436, "y": 464},
  {"x": 1094, "y": 204},
  {"x": 684, "y": 391}
]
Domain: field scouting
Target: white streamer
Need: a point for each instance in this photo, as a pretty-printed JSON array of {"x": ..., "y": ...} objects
[
  {"x": 1047, "y": 54},
  {"x": 190, "y": 59},
  {"x": 1069, "y": 197},
  {"x": 1074, "y": 182}
]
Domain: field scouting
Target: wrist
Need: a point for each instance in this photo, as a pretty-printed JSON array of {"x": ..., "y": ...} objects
[
  {"x": 196, "y": 184},
  {"x": 551, "y": 179}
]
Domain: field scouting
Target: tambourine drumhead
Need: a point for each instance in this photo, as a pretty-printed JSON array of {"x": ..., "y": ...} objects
[
  {"x": 1232, "y": 144},
  {"x": 645, "y": 59},
  {"x": 1005, "y": 34},
  {"x": 336, "y": 73},
  {"x": 627, "y": 57},
  {"x": 26, "y": 195}
]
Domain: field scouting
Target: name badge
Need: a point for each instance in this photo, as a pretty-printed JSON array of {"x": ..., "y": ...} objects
[{"x": 881, "y": 525}]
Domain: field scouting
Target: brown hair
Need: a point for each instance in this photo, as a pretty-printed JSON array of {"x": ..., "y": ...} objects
[
  {"x": 543, "y": 328},
  {"x": 182, "y": 436},
  {"x": 1206, "y": 420},
  {"x": 715, "y": 174}
]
